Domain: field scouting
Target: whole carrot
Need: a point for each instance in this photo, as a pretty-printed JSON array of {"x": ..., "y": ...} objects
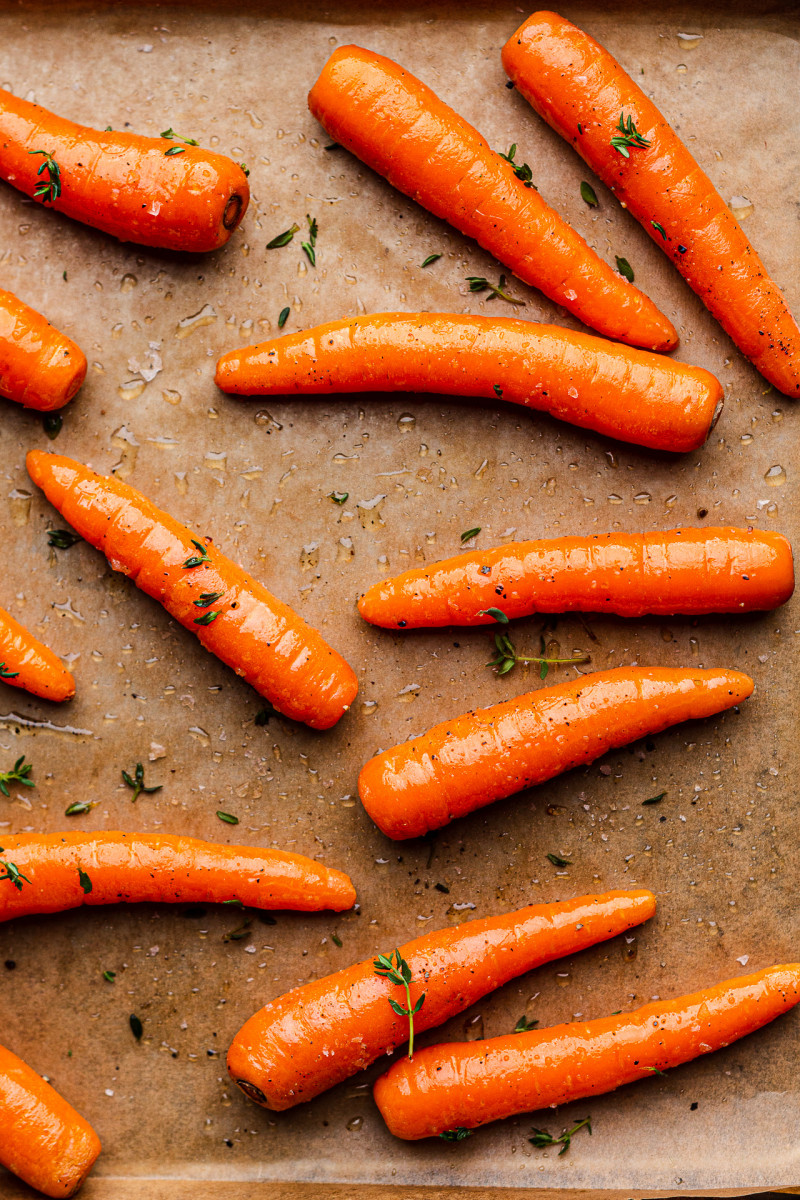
[
  {"x": 490, "y": 753},
  {"x": 687, "y": 571},
  {"x": 400, "y": 128},
  {"x": 465, "y": 1084},
  {"x": 56, "y": 871},
  {"x": 39, "y": 367},
  {"x": 43, "y": 1140},
  {"x": 27, "y": 663},
  {"x": 626, "y": 393},
  {"x": 321, "y": 1033},
  {"x": 232, "y": 614},
  {"x": 587, "y": 97},
  {"x": 155, "y": 191}
]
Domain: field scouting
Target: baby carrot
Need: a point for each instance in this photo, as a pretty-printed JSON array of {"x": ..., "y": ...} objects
[
  {"x": 466, "y": 1084},
  {"x": 687, "y": 571},
  {"x": 402, "y": 130},
  {"x": 154, "y": 191},
  {"x": 27, "y": 663},
  {"x": 623, "y": 392},
  {"x": 43, "y": 1140},
  {"x": 490, "y": 753},
  {"x": 39, "y": 367},
  {"x": 321, "y": 1033},
  {"x": 56, "y": 871},
  {"x": 587, "y": 97},
  {"x": 232, "y": 614}
]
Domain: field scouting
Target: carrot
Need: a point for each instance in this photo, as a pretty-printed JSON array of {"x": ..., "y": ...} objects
[
  {"x": 39, "y": 367},
  {"x": 587, "y": 97},
  {"x": 461, "y": 1085},
  {"x": 154, "y": 191},
  {"x": 400, "y": 128},
  {"x": 43, "y": 1140},
  {"x": 315, "y": 1036},
  {"x": 490, "y": 753},
  {"x": 56, "y": 871},
  {"x": 232, "y": 614},
  {"x": 687, "y": 571},
  {"x": 626, "y": 393},
  {"x": 27, "y": 663}
]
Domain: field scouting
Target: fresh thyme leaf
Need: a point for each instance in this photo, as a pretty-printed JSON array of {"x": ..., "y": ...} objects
[
  {"x": 498, "y": 391},
  {"x": 207, "y": 618},
  {"x": 628, "y": 138},
  {"x": 542, "y": 1138},
  {"x": 655, "y": 799},
  {"x": 468, "y": 534},
  {"x": 13, "y": 874},
  {"x": 136, "y": 1026},
  {"x": 624, "y": 268},
  {"x": 207, "y": 599},
  {"x": 558, "y": 861},
  {"x": 656, "y": 1071},
  {"x": 170, "y": 133},
  {"x": 78, "y": 808},
  {"x": 228, "y": 818},
  {"x": 137, "y": 782},
  {"x": 62, "y": 539},
  {"x": 283, "y": 239},
  {"x": 197, "y": 560},
  {"x": 309, "y": 249},
  {"x": 478, "y": 284},
  {"x": 51, "y": 424},
  {"x": 588, "y": 195},
  {"x": 522, "y": 171},
  {"x": 507, "y": 656},
  {"x": 20, "y": 773},
  {"x": 338, "y": 497},
  {"x": 523, "y": 1025},
  {"x": 245, "y": 168},
  {"x": 52, "y": 189},
  {"x": 455, "y": 1135},
  {"x": 5, "y": 673},
  {"x": 308, "y": 246},
  {"x": 174, "y": 150},
  {"x": 109, "y": 976},
  {"x": 432, "y": 258},
  {"x": 283, "y": 317},
  {"x": 398, "y": 972},
  {"x": 84, "y": 881},
  {"x": 337, "y": 941},
  {"x": 262, "y": 717},
  {"x": 660, "y": 229},
  {"x": 496, "y": 614}
]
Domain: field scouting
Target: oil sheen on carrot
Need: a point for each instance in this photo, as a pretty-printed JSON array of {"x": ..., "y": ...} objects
[
  {"x": 39, "y": 367},
  {"x": 27, "y": 663}
]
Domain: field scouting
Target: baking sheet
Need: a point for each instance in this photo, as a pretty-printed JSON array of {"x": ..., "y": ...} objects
[{"x": 720, "y": 850}]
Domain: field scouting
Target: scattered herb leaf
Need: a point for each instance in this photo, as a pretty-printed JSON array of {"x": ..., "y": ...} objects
[
  {"x": 5, "y": 673},
  {"x": 625, "y": 268},
  {"x": 432, "y": 258},
  {"x": 588, "y": 195},
  {"x": 558, "y": 861},
  {"x": 660, "y": 229},
  {"x": 52, "y": 189},
  {"x": 136, "y": 1026},
  {"x": 84, "y": 881},
  {"x": 455, "y": 1135},
  {"x": 197, "y": 559},
  {"x": 137, "y": 782},
  {"x": 498, "y": 391},
  {"x": 109, "y": 976},
  {"x": 170, "y": 133},
  {"x": 263, "y": 715},
  {"x": 13, "y": 874},
  {"x": 338, "y": 497},
  {"x": 628, "y": 138},
  {"x": 238, "y": 935},
  {"x": 207, "y": 599},
  {"x": 208, "y": 618},
  {"x": 522, "y": 171},
  {"x": 656, "y": 1071},
  {"x": 174, "y": 150},
  {"x": 496, "y": 613},
  {"x": 478, "y": 284},
  {"x": 52, "y": 424},
  {"x": 19, "y": 773},
  {"x": 542, "y": 1138},
  {"x": 283, "y": 239},
  {"x": 337, "y": 941},
  {"x": 468, "y": 534},
  {"x": 78, "y": 808},
  {"x": 399, "y": 973},
  {"x": 308, "y": 246},
  {"x": 228, "y": 818},
  {"x": 245, "y": 168},
  {"x": 655, "y": 799},
  {"x": 523, "y": 1025},
  {"x": 283, "y": 317},
  {"x": 62, "y": 539}
]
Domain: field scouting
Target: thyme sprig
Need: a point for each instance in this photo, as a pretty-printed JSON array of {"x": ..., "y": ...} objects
[
  {"x": 455, "y": 1135},
  {"x": 542, "y": 1138},
  {"x": 50, "y": 190},
  {"x": 507, "y": 657},
  {"x": 5, "y": 673},
  {"x": 478, "y": 284},
  {"x": 12, "y": 873},
  {"x": 628, "y": 138},
  {"x": 521, "y": 170},
  {"x": 19, "y": 773},
  {"x": 136, "y": 781},
  {"x": 170, "y": 133},
  {"x": 398, "y": 972},
  {"x": 196, "y": 560}
]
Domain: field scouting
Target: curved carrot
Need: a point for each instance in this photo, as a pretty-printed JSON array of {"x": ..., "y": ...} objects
[
  {"x": 27, "y": 663},
  {"x": 137, "y": 867},
  {"x": 626, "y": 393},
  {"x": 39, "y": 367},
  {"x": 400, "y": 128},
  {"x": 232, "y": 614},
  {"x": 152, "y": 191},
  {"x": 321, "y": 1033},
  {"x": 490, "y": 753},
  {"x": 466, "y": 1084},
  {"x": 43, "y": 1140},
  {"x": 686, "y": 571},
  {"x": 585, "y": 95}
]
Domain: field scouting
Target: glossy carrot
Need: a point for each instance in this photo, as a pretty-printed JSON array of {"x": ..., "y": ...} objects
[
  {"x": 27, "y": 663},
  {"x": 153, "y": 191},
  {"x": 466, "y": 1084},
  {"x": 686, "y": 571},
  {"x": 43, "y": 1140},
  {"x": 490, "y": 753},
  {"x": 315, "y": 1036},
  {"x": 137, "y": 867},
  {"x": 232, "y": 614},
  {"x": 584, "y": 94},
  {"x": 401, "y": 129},
  {"x": 39, "y": 367},
  {"x": 623, "y": 392}
]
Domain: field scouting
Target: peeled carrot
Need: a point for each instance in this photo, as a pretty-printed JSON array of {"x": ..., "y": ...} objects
[
  {"x": 490, "y": 753},
  {"x": 585, "y": 95},
  {"x": 321, "y": 1033},
  {"x": 466, "y": 1084},
  {"x": 27, "y": 663},
  {"x": 39, "y": 367},
  {"x": 154, "y": 191},
  {"x": 43, "y": 1140},
  {"x": 401, "y": 129},
  {"x": 137, "y": 867},
  {"x": 626, "y": 393},
  {"x": 686, "y": 571},
  {"x": 232, "y": 614}
]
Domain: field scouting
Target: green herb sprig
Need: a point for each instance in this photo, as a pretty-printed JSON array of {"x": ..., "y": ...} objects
[
  {"x": 628, "y": 137},
  {"x": 478, "y": 284},
  {"x": 62, "y": 539},
  {"x": 196, "y": 560},
  {"x": 542, "y": 1138},
  {"x": 455, "y": 1135},
  {"x": 170, "y": 133},
  {"x": 523, "y": 1025},
  {"x": 12, "y": 873},
  {"x": 50, "y": 190},
  {"x": 137, "y": 782},
  {"x": 309, "y": 246},
  {"x": 522, "y": 171},
  {"x": 507, "y": 657},
  {"x": 398, "y": 972},
  {"x": 20, "y": 773},
  {"x": 5, "y": 673}
]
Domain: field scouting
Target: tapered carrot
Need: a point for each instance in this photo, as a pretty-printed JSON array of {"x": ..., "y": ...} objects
[
  {"x": 56, "y": 871},
  {"x": 626, "y": 393},
  {"x": 321, "y": 1033},
  {"x": 39, "y": 367},
  {"x": 27, "y": 663},
  {"x": 466, "y": 1084},
  {"x": 490, "y": 753},
  {"x": 587, "y": 97},
  {"x": 400, "y": 128},
  {"x": 43, "y": 1140},
  {"x": 687, "y": 571},
  {"x": 233, "y": 615},
  {"x": 154, "y": 191}
]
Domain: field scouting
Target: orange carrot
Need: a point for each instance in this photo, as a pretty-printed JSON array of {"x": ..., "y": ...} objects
[
  {"x": 687, "y": 571},
  {"x": 490, "y": 753},
  {"x": 27, "y": 663},
  {"x": 400, "y": 128},
  {"x": 587, "y": 97},
  {"x": 43, "y": 1140},
  {"x": 56, "y": 871},
  {"x": 154, "y": 191},
  {"x": 39, "y": 367},
  {"x": 234, "y": 616},
  {"x": 461, "y": 1085},
  {"x": 321, "y": 1033},
  {"x": 626, "y": 393}
]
